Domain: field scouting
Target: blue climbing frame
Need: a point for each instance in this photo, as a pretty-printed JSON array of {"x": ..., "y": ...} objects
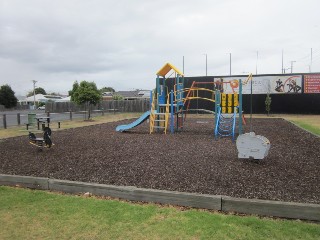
[{"x": 177, "y": 100}]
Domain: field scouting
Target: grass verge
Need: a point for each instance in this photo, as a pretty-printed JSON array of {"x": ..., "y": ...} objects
[
  {"x": 310, "y": 123},
  {"x": 21, "y": 130},
  {"x": 31, "y": 214},
  {"x": 308, "y": 127}
]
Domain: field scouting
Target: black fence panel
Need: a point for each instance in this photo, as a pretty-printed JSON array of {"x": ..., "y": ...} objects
[{"x": 295, "y": 103}]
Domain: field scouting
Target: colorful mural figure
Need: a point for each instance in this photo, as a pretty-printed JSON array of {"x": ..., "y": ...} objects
[
  {"x": 293, "y": 86},
  {"x": 234, "y": 84},
  {"x": 218, "y": 84},
  {"x": 279, "y": 87},
  {"x": 263, "y": 84}
]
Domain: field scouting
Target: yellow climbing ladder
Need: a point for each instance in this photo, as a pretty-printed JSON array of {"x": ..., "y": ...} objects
[{"x": 159, "y": 120}]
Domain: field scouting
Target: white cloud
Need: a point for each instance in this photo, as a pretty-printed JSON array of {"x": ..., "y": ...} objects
[{"x": 123, "y": 43}]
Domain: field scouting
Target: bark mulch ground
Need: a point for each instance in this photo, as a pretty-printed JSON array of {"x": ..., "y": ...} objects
[{"x": 189, "y": 161}]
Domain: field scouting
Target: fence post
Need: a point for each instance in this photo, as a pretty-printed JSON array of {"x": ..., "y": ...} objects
[
  {"x": 70, "y": 116},
  {"x": 18, "y": 118},
  {"x": 4, "y": 121},
  {"x": 48, "y": 115}
]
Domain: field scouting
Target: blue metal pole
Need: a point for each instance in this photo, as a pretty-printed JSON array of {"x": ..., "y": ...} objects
[
  {"x": 182, "y": 93},
  {"x": 157, "y": 93},
  {"x": 240, "y": 107},
  {"x": 172, "y": 113},
  {"x": 216, "y": 105}
]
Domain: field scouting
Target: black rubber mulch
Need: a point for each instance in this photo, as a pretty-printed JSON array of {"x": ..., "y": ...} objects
[{"x": 189, "y": 161}]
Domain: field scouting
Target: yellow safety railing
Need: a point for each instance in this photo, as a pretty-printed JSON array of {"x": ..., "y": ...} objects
[
  {"x": 192, "y": 89},
  {"x": 188, "y": 97},
  {"x": 166, "y": 117},
  {"x": 152, "y": 112},
  {"x": 192, "y": 98},
  {"x": 197, "y": 88}
]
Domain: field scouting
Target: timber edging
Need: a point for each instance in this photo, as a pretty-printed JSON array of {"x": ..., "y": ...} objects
[{"x": 269, "y": 208}]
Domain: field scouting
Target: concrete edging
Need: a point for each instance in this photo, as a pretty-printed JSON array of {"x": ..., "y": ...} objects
[
  {"x": 139, "y": 194},
  {"x": 24, "y": 181},
  {"x": 292, "y": 210},
  {"x": 306, "y": 211}
]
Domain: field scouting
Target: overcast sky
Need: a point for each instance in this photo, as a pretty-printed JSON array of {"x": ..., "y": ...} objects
[{"x": 123, "y": 43}]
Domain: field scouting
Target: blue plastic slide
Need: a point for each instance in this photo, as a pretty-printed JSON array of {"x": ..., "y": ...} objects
[{"x": 123, "y": 128}]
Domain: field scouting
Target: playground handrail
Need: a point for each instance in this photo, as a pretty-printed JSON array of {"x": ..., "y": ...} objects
[
  {"x": 152, "y": 112},
  {"x": 192, "y": 89},
  {"x": 217, "y": 122},
  {"x": 196, "y": 88},
  {"x": 189, "y": 90},
  {"x": 191, "y": 98},
  {"x": 166, "y": 117},
  {"x": 234, "y": 122}
]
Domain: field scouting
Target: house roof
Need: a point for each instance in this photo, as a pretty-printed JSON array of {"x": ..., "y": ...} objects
[
  {"x": 42, "y": 98},
  {"x": 107, "y": 94},
  {"x": 37, "y": 97},
  {"x": 66, "y": 99},
  {"x": 134, "y": 94}
]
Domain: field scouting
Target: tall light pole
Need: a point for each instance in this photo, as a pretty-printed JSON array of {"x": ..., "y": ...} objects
[
  {"x": 292, "y": 65},
  {"x": 257, "y": 63},
  {"x": 34, "y": 93},
  {"x": 206, "y": 63},
  {"x": 311, "y": 61},
  {"x": 282, "y": 69},
  {"x": 230, "y": 63},
  {"x": 183, "y": 65}
]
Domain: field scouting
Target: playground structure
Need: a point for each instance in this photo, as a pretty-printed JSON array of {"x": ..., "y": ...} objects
[{"x": 169, "y": 107}]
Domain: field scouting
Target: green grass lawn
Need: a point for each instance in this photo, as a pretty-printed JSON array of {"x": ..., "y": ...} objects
[
  {"x": 31, "y": 214},
  {"x": 307, "y": 126}
]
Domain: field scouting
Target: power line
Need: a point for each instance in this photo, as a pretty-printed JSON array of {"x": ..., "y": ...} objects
[
  {"x": 307, "y": 58},
  {"x": 316, "y": 61}
]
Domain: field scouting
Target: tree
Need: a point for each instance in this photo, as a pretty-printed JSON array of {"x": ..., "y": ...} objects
[
  {"x": 7, "y": 97},
  {"x": 268, "y": 103},
  {"x": 117, "y": 97},
  {"x": 73, "y": 92},
  {"x": 106, "y": 89},
  {"x": 85, "y": 93},
  {"x": 38, "y": 90}
]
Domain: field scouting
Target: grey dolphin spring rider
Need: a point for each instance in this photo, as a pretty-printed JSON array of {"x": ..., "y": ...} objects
[
  {"x": 250, "y": 145},
  {"x": 254, "y": 146}
]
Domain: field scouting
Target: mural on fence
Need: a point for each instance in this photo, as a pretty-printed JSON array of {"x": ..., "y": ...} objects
[
  {"x": 312, "y": 83},
  {"x": 263, "y": 84}
]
